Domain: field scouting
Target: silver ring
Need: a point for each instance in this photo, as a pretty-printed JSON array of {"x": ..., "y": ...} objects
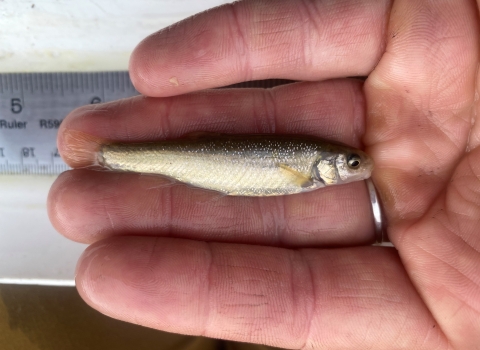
[{"x": 376, "y": 210}]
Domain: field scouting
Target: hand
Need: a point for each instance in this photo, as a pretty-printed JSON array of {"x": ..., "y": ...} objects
[{"x": 264, "y": 275}]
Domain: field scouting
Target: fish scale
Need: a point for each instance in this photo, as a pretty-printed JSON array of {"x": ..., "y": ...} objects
[{"x": 242, "y": 165}]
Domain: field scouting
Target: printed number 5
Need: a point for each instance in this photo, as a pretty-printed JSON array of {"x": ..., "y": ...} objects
[{"x": 16, "y": 105}]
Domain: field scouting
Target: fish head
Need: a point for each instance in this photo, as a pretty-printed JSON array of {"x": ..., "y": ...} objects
[{"x": 346, "y": 166}]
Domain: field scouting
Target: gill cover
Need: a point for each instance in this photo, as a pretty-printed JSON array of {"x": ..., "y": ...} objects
[{"x": 325, "y": 169}]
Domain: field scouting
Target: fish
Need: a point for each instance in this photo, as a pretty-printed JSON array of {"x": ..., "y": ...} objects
[{"x": 253, "y": 165}]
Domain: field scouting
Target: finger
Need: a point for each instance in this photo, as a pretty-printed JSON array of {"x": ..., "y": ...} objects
[
  {"x": 354, "y": 298},
  {"x": 333, "y": 110},
  {"x": 419, "y": 101},
  {"x": 117, "y": 204},
  {"x": 88, "y": 206},
  {"x": 248, "y": 40}
]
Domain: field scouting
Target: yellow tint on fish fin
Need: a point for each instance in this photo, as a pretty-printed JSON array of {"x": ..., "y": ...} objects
[{"x": 297, "y": 177}]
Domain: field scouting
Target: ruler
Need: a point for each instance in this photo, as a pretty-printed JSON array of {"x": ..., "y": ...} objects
[{"x": 32, "y": 107}]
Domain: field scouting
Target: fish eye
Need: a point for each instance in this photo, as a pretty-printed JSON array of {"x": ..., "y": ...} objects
[{"x": 353, "y": 161}]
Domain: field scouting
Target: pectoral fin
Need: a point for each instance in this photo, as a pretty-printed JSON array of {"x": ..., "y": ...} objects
[{"x": 297, "y": 177}]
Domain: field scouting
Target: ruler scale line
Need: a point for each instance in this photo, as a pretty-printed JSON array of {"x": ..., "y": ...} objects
[
  {"x": 22, "y": 99},
  {"x": 28, "y": 135}
]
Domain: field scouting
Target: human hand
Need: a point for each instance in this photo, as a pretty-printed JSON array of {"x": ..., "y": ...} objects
[{"x": 266, "y": 275}]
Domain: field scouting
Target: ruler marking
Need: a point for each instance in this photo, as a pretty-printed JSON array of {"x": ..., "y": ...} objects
[
  {"x": 117, "y": 82},
  {"x": 75, "y": 80},
  {"x": 60, "y": 81},
  {"x": 50, "y": 77},
  {"x": 34, "y": 82},
  {"x": 102, "y": 80},
  {"x": 85, "y": 82},
  {"x": 29, "y": 83},
  {"x": 112, "y": 82},
  {"x": 63, "y": 83},
  {"x": 89, "y": 83},
  {"x": 121, "y": 86},
  {"x": 42, "y": 83},
  {"x": 94, "y": 77},
  {"x": 70, "y": 82},
  {"x": 55, "y": 82},
  {"x": 39, "y": 83},
  {"x": 29, "y": 147},
  {"x": 20, "y": 83},
  {"x": 82, "y": 82},
  {"x": 9, "y": 84},
  {"x": 67, "y": 82},
  {"x": 92, "y": 82}
]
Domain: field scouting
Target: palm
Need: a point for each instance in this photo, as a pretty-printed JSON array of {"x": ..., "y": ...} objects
[{"x": 415, "y": 116}]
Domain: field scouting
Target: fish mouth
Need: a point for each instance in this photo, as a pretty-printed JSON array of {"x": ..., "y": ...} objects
[
  {"x": 369, "y": 166},
  {"x": 368, "y": 169}
]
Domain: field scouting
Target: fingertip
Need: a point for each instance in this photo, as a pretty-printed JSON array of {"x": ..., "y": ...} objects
[
  {"x": 145, "y": 280},
  {"x": 89, "y": 280},
  {"x": 70, "y": 214},
  {"x": 153, "y": 64},
  {"x": 78, "y": 148},
  {"x": 57, "y": 192},
  {"x": 140, "y": 68}
]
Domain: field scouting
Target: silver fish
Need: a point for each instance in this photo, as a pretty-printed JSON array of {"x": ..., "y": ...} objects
[{"x": 243, "y": 165}]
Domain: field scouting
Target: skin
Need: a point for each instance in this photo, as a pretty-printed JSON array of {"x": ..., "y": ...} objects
[{"x": 263, "y": 270}]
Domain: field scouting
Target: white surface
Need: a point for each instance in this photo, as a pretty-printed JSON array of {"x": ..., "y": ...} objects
[
  {"x": 61, "y": 35},
  {"x": 73, "y": 35},
  {"x": 30, "y": 249}
]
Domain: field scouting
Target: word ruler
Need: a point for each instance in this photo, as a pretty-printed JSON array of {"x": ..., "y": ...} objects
[{"x": 32, "y": 107}]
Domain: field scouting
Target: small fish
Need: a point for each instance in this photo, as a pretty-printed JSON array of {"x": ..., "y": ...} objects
[{"x": 243, "y": 165}]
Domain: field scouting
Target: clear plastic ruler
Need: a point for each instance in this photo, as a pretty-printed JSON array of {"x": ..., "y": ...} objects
[{"x": 32, "y": 107}]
